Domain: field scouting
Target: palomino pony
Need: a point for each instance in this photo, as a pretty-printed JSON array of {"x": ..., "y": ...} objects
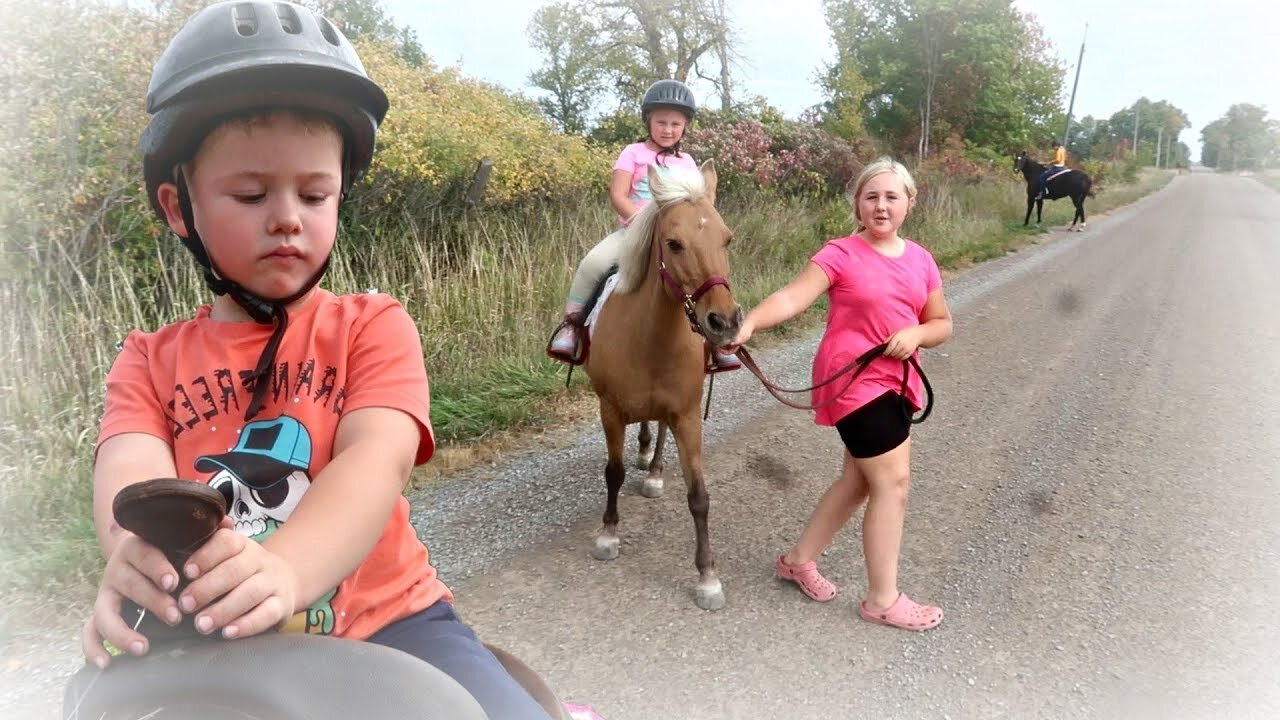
[
  {"x": 648, "y": 360},
  {"x": 1073, "y": 184}
]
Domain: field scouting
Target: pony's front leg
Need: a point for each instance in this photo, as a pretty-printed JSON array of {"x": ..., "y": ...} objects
[
  {"x": 688, "y": 433},
  {"x": 1030, "y": 204},
  {"x": 615, "y": 432}
]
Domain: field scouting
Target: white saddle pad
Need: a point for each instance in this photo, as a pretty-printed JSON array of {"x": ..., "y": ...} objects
[{"x": 595, "y": 311}]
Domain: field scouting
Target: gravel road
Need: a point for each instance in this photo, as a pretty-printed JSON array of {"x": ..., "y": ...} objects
[{"x": 1094, "y": 504}]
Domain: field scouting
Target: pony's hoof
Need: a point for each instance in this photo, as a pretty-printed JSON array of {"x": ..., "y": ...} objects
[
  {"x": 710, "y": 596},
  {"x": 651, "y": 487},
  {"x": 644, "y": 459},
  {"x": 606, "y": 548}
]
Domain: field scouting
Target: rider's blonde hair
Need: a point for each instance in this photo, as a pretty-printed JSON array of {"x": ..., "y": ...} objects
[{"x": 877, "y": 167}]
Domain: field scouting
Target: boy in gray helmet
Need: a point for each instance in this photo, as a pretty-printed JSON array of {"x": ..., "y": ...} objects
[{"x": 305, "y": 409}]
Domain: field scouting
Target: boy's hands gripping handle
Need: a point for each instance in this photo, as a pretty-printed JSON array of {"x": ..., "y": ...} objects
[{"x": 177, "y": 517}]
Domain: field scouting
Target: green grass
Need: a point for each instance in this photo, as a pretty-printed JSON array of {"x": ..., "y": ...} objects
[
  {"x": 1270, "y": 178},
  {"x": 486, "y": 289}
]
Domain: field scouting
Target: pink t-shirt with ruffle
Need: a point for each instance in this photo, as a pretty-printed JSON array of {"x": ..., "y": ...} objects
[
  {"x": 871, "y": 297},
  {"x": 636, "y": 159}
]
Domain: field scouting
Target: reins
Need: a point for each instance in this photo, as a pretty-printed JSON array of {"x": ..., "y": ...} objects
[{"x": 857, "y": 367}]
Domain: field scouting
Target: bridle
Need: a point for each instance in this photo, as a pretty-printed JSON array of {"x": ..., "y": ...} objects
[{"x": 687, "y": 300}]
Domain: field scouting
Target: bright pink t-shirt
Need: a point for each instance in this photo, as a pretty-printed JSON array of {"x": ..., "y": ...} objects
[
  {"x": 871, "y": 297},
  {"x": 636, "y": 158}
]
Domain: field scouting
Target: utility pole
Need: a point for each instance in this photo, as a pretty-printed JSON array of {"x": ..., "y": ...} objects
[
  {"x": 1136, "y": 114},
  {"x": 1071, "y": 105},
  {"x": 1159, "y": 144}
]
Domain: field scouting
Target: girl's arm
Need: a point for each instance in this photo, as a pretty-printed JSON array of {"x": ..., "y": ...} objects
[
  {"x": 784, "y": 304},
  {"x": 935, "y": 321},
  {"x": 620, "y": 194},
  {"x": 933, "y": 330}
]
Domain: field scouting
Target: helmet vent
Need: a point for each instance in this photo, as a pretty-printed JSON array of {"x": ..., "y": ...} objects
[
  {"x": 329, "y": 32},
  {"x": 289, "y": 21},
  {"x": 246, "y": 20}
]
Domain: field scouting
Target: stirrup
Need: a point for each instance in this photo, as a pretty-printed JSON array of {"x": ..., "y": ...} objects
[
  {"x": 713, "y": 366},
  {"x": 579, "y": 352}
]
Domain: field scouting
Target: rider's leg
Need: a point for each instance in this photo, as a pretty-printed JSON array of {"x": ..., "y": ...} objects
[
  {"x": 437, "y": 636},
  {"x": 592, "y": 269},
  {"x": 1044, "y": 184}
]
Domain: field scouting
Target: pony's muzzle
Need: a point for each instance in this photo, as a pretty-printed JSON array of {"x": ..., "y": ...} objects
[{"x": 722, "y": 328}]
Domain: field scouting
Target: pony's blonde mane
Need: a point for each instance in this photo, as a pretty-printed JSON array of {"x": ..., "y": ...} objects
[{"x": 678, "y": 185}]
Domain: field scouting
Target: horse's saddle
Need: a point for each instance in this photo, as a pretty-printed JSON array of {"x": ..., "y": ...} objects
[{"x": 1055, "y": 173}]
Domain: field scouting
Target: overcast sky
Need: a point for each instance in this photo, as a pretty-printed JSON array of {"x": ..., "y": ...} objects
[{"x": 1200, "y": 55}]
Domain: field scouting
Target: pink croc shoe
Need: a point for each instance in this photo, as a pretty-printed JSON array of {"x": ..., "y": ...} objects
[
  {"x": 806, "y": 575},
  {"x": 581, "y": 712},
  {"x": 904, "y": 613}
]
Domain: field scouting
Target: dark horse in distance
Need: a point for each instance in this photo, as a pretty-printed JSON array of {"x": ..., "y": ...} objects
[{"x": 1072, "y": 183}]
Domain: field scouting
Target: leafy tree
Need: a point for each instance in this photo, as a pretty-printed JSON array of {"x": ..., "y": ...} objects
[
  {"x": 626, "y": 45},
  {"x": 366, "y": 17},
  {"x": 1242, "y": 139},
  {"x": 922, "y": 69},
  {"x": 1150, "y": 123},
  {"x": 573, "y": 72}
]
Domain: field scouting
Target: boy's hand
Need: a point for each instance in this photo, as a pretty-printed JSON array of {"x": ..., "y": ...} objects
[
  {"x": 141, "y": 573},
  {"x": 238, "y": 585},
  {"x": 903, "y": 343}
]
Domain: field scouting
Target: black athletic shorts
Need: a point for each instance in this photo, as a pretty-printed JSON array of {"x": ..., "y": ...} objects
[{"x": 877, "y": 427}]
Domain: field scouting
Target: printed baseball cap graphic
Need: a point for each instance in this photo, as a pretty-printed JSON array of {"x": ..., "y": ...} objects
[{"x": 267, "y": 452}]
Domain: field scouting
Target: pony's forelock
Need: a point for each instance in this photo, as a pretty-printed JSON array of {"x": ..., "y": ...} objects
[{"x": 677, "y": 185}]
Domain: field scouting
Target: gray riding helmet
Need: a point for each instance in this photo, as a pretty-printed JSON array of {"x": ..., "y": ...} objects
[
  {"x": 669, "y": 94},
  {"x": 238, "y": 57}
]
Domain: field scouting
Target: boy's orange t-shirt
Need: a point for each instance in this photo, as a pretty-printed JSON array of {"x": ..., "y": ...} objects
[{"x": 186, "y": 384}]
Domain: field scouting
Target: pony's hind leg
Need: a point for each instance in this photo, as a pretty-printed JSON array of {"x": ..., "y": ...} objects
[
  {"x": 710, "y": 593},
  {"x": 652, "y": 485},
  {"x": 606, "y": 545},
  {"x": 644, "y": 454}
]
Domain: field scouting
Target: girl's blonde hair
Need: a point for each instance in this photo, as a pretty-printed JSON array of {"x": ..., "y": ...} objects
[{"x": 880, "y": 165}]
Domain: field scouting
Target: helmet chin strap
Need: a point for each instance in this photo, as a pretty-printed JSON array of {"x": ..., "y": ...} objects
[
  {"x": 262, "y": 310},
  {"x": 666, "y": 150}
]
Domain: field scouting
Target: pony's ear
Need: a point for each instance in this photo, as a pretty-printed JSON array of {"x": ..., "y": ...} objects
[
  {"x": 709, "y": 178},
  {"x": 655, "y": 179}
]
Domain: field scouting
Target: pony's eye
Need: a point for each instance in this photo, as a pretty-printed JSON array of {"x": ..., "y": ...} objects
[{"x": 674, "y": 246}]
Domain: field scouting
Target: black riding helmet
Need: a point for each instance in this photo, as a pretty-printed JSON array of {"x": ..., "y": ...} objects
[
  {"x": 668, "y": 94},
  {"x": 240, "y": 57},
  {"x": 671, "y": 94}
]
